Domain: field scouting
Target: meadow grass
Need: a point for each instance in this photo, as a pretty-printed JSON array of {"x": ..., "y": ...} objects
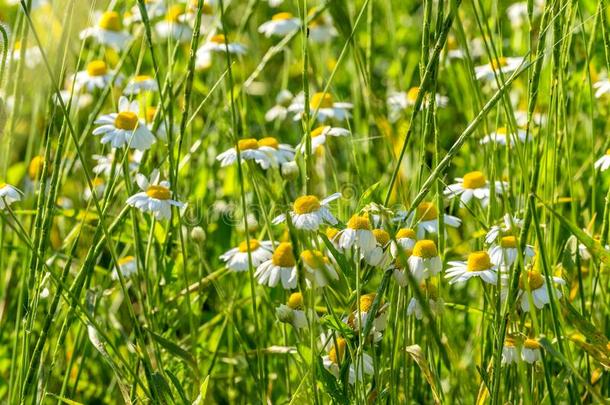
[{"x": 303, "y": 201}]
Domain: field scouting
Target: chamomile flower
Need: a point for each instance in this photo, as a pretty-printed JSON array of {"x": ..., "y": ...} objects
[
  {"x": 280, "y": 25},
  {"x": 478, "y": 265},
  {"x": 504, "y": 65},
  {"x": 293, "y": 312},
  {"x": 208, "y": 18},
  {"x": 279, "y": 110},
  {"x": 603, "y": 163},
  {"x": 337, "y": 351},
  {"x": 125, "y": 128},
  {"x": 602, "y": 87},
  {"x": 139, "y": 84},
  {"x": 219, "y": 43},
  {"x": 8, "y": 195},
  {"x": 510, "y": 224},
  {"x": 320, "y": 134},
  {"x": 309, "y": 212},
  {"x": 405, "y": 239},
  {"x": 127, "y": 265},
  {"x": 426, "y": 215},
  {"x": 332, "y": 234},
  {"x": 155, "y": 196},
  {"x": 501, "y": 136},
  {"x": 510, "y": 354},
  {"x": 424, "y": 261},
  {"x": 435, "y": 303},
  {"x": 73, "y": 100},
  {"x": 32, "y": 56},
  {"x": 173, "y": 26},
  {"x": 530, "y": 352},
  {"x": 318, "y": 268},
  {"x": 104, "y": 163},
  {"x": 108, "y": 31},
  {"x": 281, "y": 266},
  {"x": 278, "y": 153},
  {"x": 358, "y": 234},
  {"x": 95, "y": 76},
  {"x": 359, "y": 322},
  {"x": 321, "y": 29},
  {"x": 327, "y": 108},
  {"x": 379, "y": 255},
  {"x": 473, "y": 184},
  {"x": 531, "y": 281},
  {"x": 248, "y": 150},
  {"x": 154, "y": 9},
  {"x": 236, "y": 259},
  {"x": 399, "y": 101},
  {"x": 504, "y": 252},
  {"x": 99, "y": 186},
  {"x": 33, "y": 6}
]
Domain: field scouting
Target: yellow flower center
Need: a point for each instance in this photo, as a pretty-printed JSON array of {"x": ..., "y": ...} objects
[
  {"x": 318, "y": 131},
  {"x": 405, "y": 233},
  {"x": 283, "y": 255},
  {"x": 281, "y": 16},
  {"x": 502, "y": 131},
  {"x": 295, "y": 301},
  {"x": 174, "y": 12},
  {"x": 158, "y": 192},
  {"x": 218, "y": 39},
  {"x": 270, "y": 142},
  {"x": 402, "y": 260},
  {"x": 412, "y": 94},
  {"x": 531, "y": 344},
  {"x": 381, "y": 236},
  {"x": 425, "y": 249},
  {"x": 142, "y": 78},
  {"x": 479, "y": 261},
  {"x": 608, "y": 152},
  {"x": 359, "y": 222},
  {"x": 366, "y": 302},
  {"x": 331, "y": 233},
  {"x": 321, "y": 100},
  {"x": 427, "y": 211},
  {"x": 534, "y": 280},
  {"x": 508, "y": 242},
  {"x": 306, "y": 204},
  {"x": 339, "y": 346},
  {"x": 244, "y": 246},
  {"x": 509, "y": 341},
  {"x": 429, "y": 289},
  {"x": 498, "y": 63},
  {"x": 150, "y": 114},
  {"x": 125, "y": 260},
  {"x": 248, "y": 143},
  {"x": 206, "y": 9},
  {"x": 97, "y": 68},
  {"x": 314, "y": 259},
  {"x": 126, "y": 120},
  {"x": 35, "y": 167},
  {"x": 473, "y": 180},
  {"x": 110, "y": 21}
]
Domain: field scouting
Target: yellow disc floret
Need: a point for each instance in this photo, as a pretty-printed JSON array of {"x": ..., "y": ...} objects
[
  {"x": 252, "y": 246},
  {"x": 425, "y": 249},
  {"x": 508, "y": 242},
  {"x": 306, "y": 204},
  {"x": 97, "y": 68},
  {"x": 331, "y": 233},
  {"x": 381, "y": 236},
  {"x": 175, "y": 12},
  {"x": 534, "y": 280},
  {"x": 405, "y": 233},
  {"x": 531, "y": 344},
  {"x": 248, "y": 143},
  {"x": 270, "y": 142},
  {"x": 321, "y": 100},
  {"x": 479, "y": 261},
  {"x": 125, "y": 260},
  {"x": 110, "y": 21},
  {"x": 281, "y": 16},
  {"x": 158, "y": 192},
  {"x": 412, "y": 94},
  {"x": 366, "y": 302},
  {"x": 314, "y": 259},
  {"x": 359, "y": 222},
  {"x": 337, "y": 351},
  {"x": 474, "y": 180},
  {"x": 126, "y": 120},
  {"x": 35, "y": 167},
  {"x": 219, "y": 39},
  {"x": 295, "y": 301},
  {"x": 283, "y": 255},
  {"x": 318, "y": 131},
  {"x": 498, "y": 63},
  {"x": 427, "y": 211}
]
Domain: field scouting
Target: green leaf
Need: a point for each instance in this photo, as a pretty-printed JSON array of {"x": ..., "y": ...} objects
[
  {"x": 176, "y": 350},
  {"x": 203, "y": 390},
  {"x": 417, "y": 354}
]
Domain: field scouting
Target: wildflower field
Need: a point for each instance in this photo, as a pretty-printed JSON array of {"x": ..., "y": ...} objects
[{"x": 304, "y": 202}]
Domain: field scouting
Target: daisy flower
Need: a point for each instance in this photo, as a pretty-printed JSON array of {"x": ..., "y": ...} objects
[
  {"x": 478, "y": 265},
  {"x": 105, "y": 162},
  {"x": 125, "y": 128},
  {"x": 501, "y": 137},
  {"x": 435, "y": 303},
  {"x": 236, "y": 259},
  {"x": 155, "y": 196},
  {"x": 504, "y": 65},
  {"x": 95, "y": 76},
  {"x": 8, "y": 195},
  {"x": 359, "y": 322},
  {"x": 320, "y": 134},
  {"x": 337, "y": 351},
  {"x": 292, "y": 312},
  {"x": 399, "y": 101},
  {"x": 32, "y": 56},
  {"x": 509, "y": 351},
  {"x": 603, "y": 163},
  {"x": 530, "y": 352},
  {"x": 321, "y": 29},
  {"x": 280, "y": 25},
  {"x": 308, "y": 212},
  {"x": 405, "y": 240},
  {"x": 140, "y": 84},
  {"x": 278, "y": 153},
  {"x": 332, "y": 234},
  {"x": 424, "y": 261},
  {"x": 219, "y": 43},
  {"x": 173, "y": 25},
  {"x": 426, "y": 215},
  {"x": 327, "y": 108},
  {"x": 108, "y": 31},
  {"x": 127, "y": 266},
  {"x": 378, "y": 256},
  {"x": 473, "y": 184},
  {"x": 318, "y": 268},
  {"x": 154, "y": 9},
  {"x": 281, "y": 266},
  {"x": 510, "y": 225},
  {"x": 602, "y": 87},
  {"x": 248, "y": 150},
  {"x": 279, "y": 110},
  {"x": 357, "y": 233},
  {"x": 504, "y": 253},
  {"x": 531, "y": 281},
  {"x": 208, "y": 18}
]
